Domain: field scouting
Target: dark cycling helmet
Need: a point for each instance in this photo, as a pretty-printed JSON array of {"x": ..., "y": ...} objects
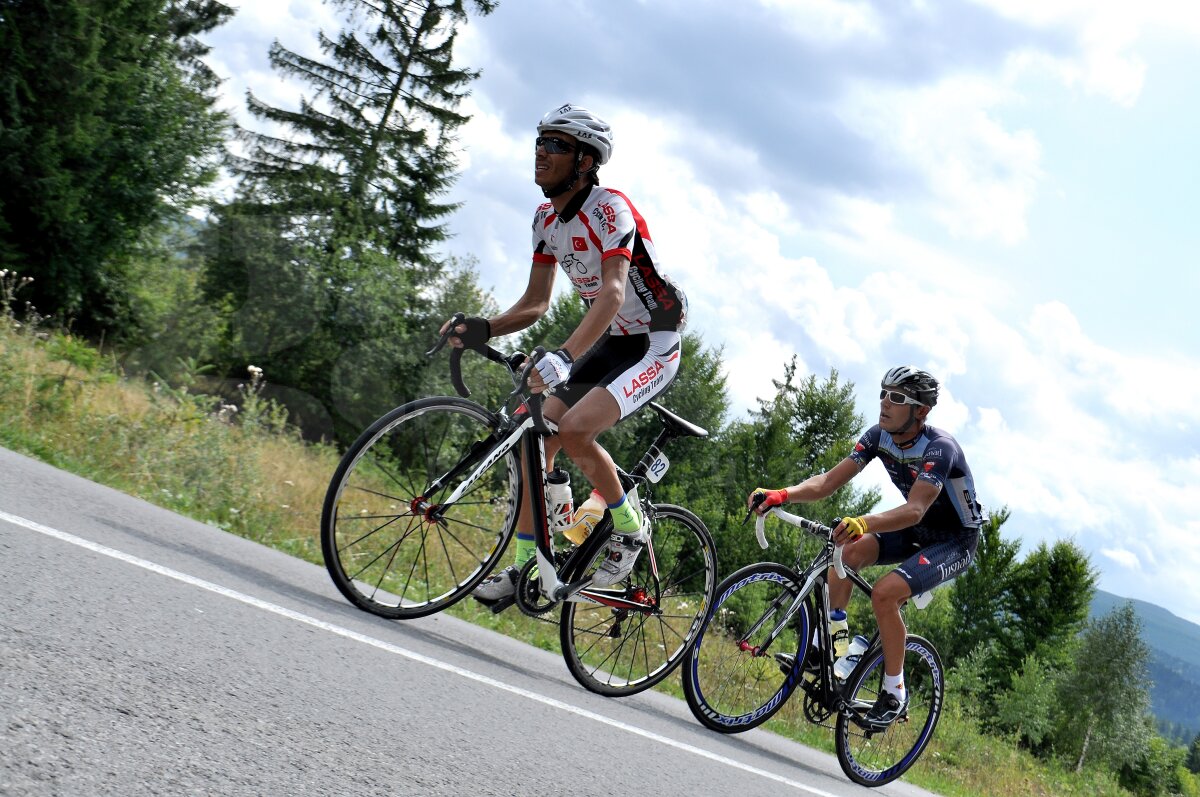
[{"x": 920, "y": 383}]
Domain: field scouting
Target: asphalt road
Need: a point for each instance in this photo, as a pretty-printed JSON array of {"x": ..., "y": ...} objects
[{"x": 145, "y": 653}]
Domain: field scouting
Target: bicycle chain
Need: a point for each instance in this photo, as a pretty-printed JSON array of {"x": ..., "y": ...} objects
[
  {"x": 529, "y": 597},
  {"x": 814, "y": 711}
]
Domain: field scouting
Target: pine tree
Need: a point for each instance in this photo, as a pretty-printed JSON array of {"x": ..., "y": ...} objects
[
  {"x": 351, "y": 179},
  {"x": 807, "y": 427},
  {"x": 372, "y": 150}
]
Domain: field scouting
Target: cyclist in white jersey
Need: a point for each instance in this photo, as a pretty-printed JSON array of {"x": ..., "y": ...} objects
[{"x": 625, "y": 351}]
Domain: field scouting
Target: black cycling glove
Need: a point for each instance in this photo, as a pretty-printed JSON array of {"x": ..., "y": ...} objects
[{"x": 478, "y": 332}]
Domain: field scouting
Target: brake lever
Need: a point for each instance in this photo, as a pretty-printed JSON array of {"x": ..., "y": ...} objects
[
  {"x": 755, "y": 502},
  {"x": 441, "y": 343}
]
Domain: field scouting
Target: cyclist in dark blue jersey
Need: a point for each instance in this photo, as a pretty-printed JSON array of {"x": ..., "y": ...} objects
[{"x": 932, "y": 536}]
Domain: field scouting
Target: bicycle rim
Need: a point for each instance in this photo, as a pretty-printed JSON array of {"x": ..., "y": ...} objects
[
  {"x": 618, "y": 651},
  {"x": 390, "y": 561},
  {"x": 873, "y": 759},
  {"x": 730, "y": 682}
]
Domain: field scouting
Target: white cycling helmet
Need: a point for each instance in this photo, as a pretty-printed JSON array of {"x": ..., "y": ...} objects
[
  {"x": 922, "y": 383},
  {"x": 582, "y": 125}
]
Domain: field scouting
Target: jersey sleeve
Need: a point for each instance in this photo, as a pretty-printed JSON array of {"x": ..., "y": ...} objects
[
  {"x": 541, "y": 253},
  {"x": 614, "y": 221},
  {"x": 937, "y": 464},
  {"x": 866, "y": 447}
]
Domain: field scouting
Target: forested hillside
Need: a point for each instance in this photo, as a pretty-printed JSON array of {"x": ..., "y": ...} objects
[{"x": 1174, "y": 665}]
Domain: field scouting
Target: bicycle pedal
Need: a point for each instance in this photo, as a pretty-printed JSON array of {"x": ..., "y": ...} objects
[{"x": 499, "y": 604}]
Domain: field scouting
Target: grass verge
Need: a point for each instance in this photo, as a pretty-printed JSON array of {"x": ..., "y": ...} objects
[{"x": 239, "y": 467}]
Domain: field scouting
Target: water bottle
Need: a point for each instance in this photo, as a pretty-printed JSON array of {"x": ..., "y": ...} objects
[
  {"x": 558, "y": 500},
  {"x": 587, "y": 516},
  {"x": 839, "y": 630},
  {"x": 846, "y": 664}
]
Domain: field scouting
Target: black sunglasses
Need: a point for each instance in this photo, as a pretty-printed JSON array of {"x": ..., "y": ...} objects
[
  {"x": 896, "y": 397},
  {"x": 554, "y": 146}
]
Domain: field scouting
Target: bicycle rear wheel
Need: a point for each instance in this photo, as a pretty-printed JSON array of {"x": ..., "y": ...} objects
[
  {"x": 731, "y": 683},
  {"x": 618, "y": 650},
  {"x": 875, "y": 758},
  {"x": 391, "y": 561}
]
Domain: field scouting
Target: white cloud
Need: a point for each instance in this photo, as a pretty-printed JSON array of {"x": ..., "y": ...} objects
[
  {"x": 826, "y": 21},
  {"x": 1126, "y": 559},
  {"x": 795, "y": 211},
  {"x": 981, "y": 177}
]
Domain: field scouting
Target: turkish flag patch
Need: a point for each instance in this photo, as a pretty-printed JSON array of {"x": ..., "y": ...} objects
[
  {"x": 923, "y": 560},
  {"x": 579, "y": 243}
]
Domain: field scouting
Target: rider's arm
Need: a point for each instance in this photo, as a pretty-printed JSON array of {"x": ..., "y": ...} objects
[
  {"x": 824, "y": 484},
  {"x": 532, "y": 305},
  {"x": 920, "y": 498},
  {"x": 614, "y": 272}
]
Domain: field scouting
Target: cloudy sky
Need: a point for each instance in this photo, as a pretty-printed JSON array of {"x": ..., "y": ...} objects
[{"x": 995, "y": 190}]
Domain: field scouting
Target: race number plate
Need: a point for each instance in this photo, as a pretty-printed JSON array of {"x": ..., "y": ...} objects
[{"x": 658, "y": 468}]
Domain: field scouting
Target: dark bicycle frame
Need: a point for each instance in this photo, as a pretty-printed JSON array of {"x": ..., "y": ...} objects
[{"x": 527, "y": 426}]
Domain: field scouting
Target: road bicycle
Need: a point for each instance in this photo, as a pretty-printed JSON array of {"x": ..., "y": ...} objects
[
  {"x": 750, "y": 657},
  {"x": 424, "y": 503}
]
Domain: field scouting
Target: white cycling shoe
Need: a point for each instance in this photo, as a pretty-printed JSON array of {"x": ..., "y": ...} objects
[
  {"x": 623, "y": 550},
  {"x": 498, "y": 586}
]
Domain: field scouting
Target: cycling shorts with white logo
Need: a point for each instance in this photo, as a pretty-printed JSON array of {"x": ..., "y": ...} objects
[{"x": 633, "y": 368}]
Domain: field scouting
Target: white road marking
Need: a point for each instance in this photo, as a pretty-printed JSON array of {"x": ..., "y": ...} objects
[{"x": 399, "y": 651}]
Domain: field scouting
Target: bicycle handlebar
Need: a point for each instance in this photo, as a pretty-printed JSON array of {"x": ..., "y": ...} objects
[
  {"x": 534, "y": 401},
  {"x": 811, "y": 526}
]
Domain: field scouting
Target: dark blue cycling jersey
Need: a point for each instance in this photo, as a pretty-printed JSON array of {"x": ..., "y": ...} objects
[{"x": 934, "y": 457}]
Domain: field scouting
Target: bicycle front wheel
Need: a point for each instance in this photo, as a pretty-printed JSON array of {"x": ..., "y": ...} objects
[
  {"x": 873, "y": 758},
  {"x": 731, "y": 678},
  {"x": 630, "y": 644},
  {"x": 390, "y": 560}
]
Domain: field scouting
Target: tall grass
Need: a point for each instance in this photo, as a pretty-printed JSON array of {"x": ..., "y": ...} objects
[{"x": 237, "y": 465}]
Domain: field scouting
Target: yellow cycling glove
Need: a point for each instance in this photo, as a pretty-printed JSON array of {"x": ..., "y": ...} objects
[{"x": 855, "y": 526}]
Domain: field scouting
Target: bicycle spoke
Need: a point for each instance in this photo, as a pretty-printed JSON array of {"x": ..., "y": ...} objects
[
  {"x": 653, "y": 637},
  {"x": 415, "y": 567}
]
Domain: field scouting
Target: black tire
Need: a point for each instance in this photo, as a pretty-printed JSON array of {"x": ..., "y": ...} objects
[
  {"x": 873, "y": 759},
  {"x": 730, "y": 683},
  {"x": 619, "y": 651},
  {"x": 391, "y": 562}
]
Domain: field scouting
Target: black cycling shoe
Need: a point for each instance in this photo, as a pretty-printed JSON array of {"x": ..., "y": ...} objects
[
  {"x": 812, "y": 661},
  {"x": 887, "y": 709}
]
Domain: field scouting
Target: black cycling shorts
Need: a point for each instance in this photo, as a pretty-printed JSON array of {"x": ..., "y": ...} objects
[
  {"x": 927, "y": 558},
  {"x": 632, "y": 368}
]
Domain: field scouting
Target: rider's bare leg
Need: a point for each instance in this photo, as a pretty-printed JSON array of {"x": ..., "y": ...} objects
[
  {"x": 887, "y": 596},
  {"x": 578, "y": 429}
]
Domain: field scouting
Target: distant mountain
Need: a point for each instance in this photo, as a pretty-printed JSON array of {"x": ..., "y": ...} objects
[{"x": 1174, "y": 660}]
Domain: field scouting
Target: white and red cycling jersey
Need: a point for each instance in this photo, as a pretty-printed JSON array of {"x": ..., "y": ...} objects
[{"x": 596, "y": 225}]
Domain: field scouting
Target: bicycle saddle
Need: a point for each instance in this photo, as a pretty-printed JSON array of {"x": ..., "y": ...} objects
[{"x": 678, "y": 426}]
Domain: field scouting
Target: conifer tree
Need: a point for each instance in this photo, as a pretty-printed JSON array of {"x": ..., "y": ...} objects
[
  {"x": 372, "y": 150},
  {"x": 352, "y": 179}
]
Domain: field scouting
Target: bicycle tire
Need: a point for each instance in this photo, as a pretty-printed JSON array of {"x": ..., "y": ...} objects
[
  {"x": 879, "y": 758},
  {"x": 391, "y": 562},
  {"x": 732, "y": 687},
  {"x": 618, "y": 652}
]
